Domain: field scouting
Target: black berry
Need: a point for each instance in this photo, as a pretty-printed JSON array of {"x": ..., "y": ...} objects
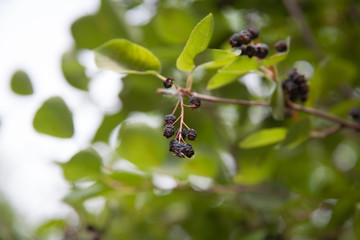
[
  {"x": 243, "y": 50},
  {"x": 191, "y": 134},
  {"x": 355, "y": 113},
  {"x": 245, "y": 36},
  {"x": 183, "y": 134},
  {"x": 235, "y": 41},
  {"x": 254, "y": 33},
  {"x": 295, "y": 87},
  {"x": 195, "y": 102},
  {"x": 168, "y": 83},
  {"x": 262, "y": 50},
  {"x": 250, "y": 50},
  {"x": 169, "y": 119},
  {"x": 179, "y": 150},
  {"x": 281, "y": 46},
  {"x": 188, "y": 150},
  {"x": 172, "y": 145},
  {"x": 168, "y": 130}
]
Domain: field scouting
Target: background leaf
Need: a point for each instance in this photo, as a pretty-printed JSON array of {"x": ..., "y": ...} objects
[
  {"x": 121, "y": 55},
  {"x": 54, "y": 118},
  {"x": 198, "y": 41},
  {"x": 278, "y": 103},
  {"x": 264, "y": 137},
  {"x": 84, "y": 165},
  {"x": 298, "y": 133},
  {"x": 21, "y": 83},
  {"x": 214, "y": 58},
  {"x": 73, "y": 71}
]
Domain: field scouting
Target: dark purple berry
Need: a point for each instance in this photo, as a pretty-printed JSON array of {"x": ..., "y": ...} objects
[
  {"x": 191, "y": 134},
  {"x": 293, "y": 74},
  {"x": 168, "y": 83},
  {"x": 183, "y": 134},
  {"x": 234, "y": 40},
  {"x": 262, "y": 50},
  {"x": 195, "y": 102},
  {"x": 355, "y": 113},
  {"x": 168, "y": 130},
  {"x": 243, "y": 50},
  {"x": 303, "y": 97},
  {"x": 172, "y": 145},
  {"x": 169, "y": 119},
  {"x": 254, "y": 33},
  {"x": 250, "y": 50},
  {"x": 188, "y": 150},
  {"x": 179, "y": 150},
  {"x": 245, "y": 36},
  {"x": 281, "y": 46}
]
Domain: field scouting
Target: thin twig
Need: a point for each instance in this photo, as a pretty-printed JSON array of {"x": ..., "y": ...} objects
[{"x": 326, "y": 132}]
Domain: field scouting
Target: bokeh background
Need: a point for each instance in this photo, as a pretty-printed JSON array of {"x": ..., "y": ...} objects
[{"x": 308, "y": 191}]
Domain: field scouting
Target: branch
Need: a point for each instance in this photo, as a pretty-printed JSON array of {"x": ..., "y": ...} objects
[
  {"x": 312, "y": 111},
  {"x": 326, "y": 132}
]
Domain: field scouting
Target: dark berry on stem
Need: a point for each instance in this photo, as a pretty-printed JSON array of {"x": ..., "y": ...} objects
[
  {"x": 234, "y": 40},
  {"x": 245, "y": 36},
  {"x": 243, "y": 50},
  {"x": 293, "y": 74},
  {"x": 168, "y": 130},
  {"x": 188, "y": 150},
  {"x": 250, "y": 50},
  {"x": 195, "y": 102},
  {"x": 172, "y": 145},
  {"x": 179, "y": 150},
  {"x": 183, "y": 134},
  {"x": 168, "y": 83},
  {"x": 191, "y": 134},
  {"x": 355, "y": 113},
  {"x": 169, "y": 119},
  {"x": 262, "y": 50},
  {"x": 254, "y": 33},
  {"x": 281, "y": 46}
]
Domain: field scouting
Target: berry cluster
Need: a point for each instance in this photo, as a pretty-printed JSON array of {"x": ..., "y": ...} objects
[
  {"x": 295, "y": 86},
  {"x": 243, "y": 41},
  {"x": 355, "y": 114},
  {"x": 178, "y": 146}
]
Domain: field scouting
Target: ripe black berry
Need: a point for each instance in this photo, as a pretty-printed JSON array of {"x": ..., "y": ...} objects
[
  {"x": 355, "y": 113},
  {"x": 169, "y": 119},
  {"x": 234, "y": 40},
  {"x": 295, "y": 87},
  {"x": 281, "y": 46},
  {"x": 191, "y": 134},
  {"x": 168, "y": 130},
  {"x": 243, "y": 50},
  {"x": 183, "y": 134},
  {"x": 168, "y": 83},
  {"x": 179, "y": 150},
  {"x": 195, "y": 102},
  {"x": 262, "y": 50},
  {"x": 250, "y": 50},
  {"x": 245, "y": 36},
  {"x": 188, "y": 150},
  {"x": 172, "y": 145},
  {"x": 254, "y": 33}
]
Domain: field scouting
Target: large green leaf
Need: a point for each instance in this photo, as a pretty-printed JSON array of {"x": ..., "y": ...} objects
[
  {"x": 21, "y": 84},
  {"x": 232, "y": 71},
  {"x": 73, "y": 71},
  {"x": 123, "y": 56},
  {"x": 83, "y": 165},
  {"x": 276, "y": 58},
  {"x": 264, "y": 137},
  {"x": 298, "y": 133},
  {"x": 198, "y": 41},
  {"x": 54, "y": 118},
  {"x": 167, "y": 18},
  {"x": 214, "y": 58},
  {"x": 277, "y": 103}
]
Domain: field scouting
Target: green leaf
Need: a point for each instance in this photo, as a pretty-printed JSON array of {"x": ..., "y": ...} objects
[
  {"x": 167, "y": 18},
  {"x": 54, "y": 118},
  {"x": 277, "y": 103},
  {"x": 51, "y": 226},
  {"x": 129, "y": 178},
  {"x": 84, "y": 165},
  {"x": 277, "y": 57},
  {"x": 21, "y": 83},
  {"x": 232, "y": 71},
  {"x": 298, "y": 133},
  {"x": 264, "y": 137},
  {"x": 73, "y": 71},
  {"x": 123, "y": 56},
  {"x": 148, "y": 142},
  {"x": 83, "y": 194},
  {"x": 202, "y": 165},
  {"x": 198, "y": 41},
  {"x": 214, "y": 58}
]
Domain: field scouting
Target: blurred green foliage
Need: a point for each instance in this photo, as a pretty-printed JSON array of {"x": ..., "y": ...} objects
[{"x": 252, "y": 177}]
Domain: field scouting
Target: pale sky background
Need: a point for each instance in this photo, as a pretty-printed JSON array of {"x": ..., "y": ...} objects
[{"x": 33, "y": 36}]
